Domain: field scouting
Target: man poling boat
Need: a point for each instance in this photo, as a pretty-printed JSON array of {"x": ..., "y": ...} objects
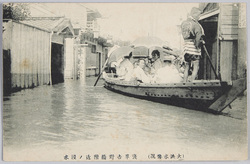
[
  {"x": 193, "y": 35},
  {"x": 166, "y": 85}
]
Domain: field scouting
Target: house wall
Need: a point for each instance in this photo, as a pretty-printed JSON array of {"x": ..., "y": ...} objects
[
  {"x": 100, "y": 58},
  {"x": 69, "y": 58},
  {"x": 229, "y": 18},
  {"x": 242, "y": 42},
  {"x": 81, "y": 60},
  {"x": 92, "y": 62},
  {"x": 228, "y": 33},
  {"x": 230, "y": 42},
  {"x": 59, "y": 39},
  {"x": 29, "y": 54}
]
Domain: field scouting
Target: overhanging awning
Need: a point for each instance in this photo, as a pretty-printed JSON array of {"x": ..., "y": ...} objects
[{"x": 209, "y": 14}]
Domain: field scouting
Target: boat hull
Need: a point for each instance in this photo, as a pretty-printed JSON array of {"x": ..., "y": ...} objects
[{"x": 197, "y": 95}]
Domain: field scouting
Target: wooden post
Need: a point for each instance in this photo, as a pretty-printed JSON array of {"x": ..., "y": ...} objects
[
  {"x": 50, "y": 46},
  {"x": 82, "y": 60},
  {"x": 226, "y": 60},
  {"x": 221, "y": 103}
]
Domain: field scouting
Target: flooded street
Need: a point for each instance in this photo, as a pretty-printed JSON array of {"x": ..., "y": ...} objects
[{"x": 75, "y": 118}]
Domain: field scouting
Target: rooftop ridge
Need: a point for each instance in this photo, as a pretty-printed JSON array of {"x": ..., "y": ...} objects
[{"x": 44, "y": 18}]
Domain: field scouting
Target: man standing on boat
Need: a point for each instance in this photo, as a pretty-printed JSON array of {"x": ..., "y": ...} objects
[{"x": 193, "y": 34}]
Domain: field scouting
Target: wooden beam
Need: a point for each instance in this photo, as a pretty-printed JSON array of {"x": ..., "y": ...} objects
[
  {"x": 230, "y": 22},
  {"x": 196, "y": 84},
  {"x": 229, "y": 17},
  {"x": 227, "y": 37},
  {"x": 226, "y": 50},
  {"x": 209, "y": 14},
  {"x": 230, "y": 31},
  {"x": 230, "y": 12},
  {"x": 221, "y": 103}
]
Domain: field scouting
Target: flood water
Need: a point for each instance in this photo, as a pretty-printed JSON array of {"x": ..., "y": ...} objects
[{"x": 75, "y": 118}]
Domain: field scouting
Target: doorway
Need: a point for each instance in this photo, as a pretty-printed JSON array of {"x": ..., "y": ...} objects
[
  {"x": 57, "y": 63},
  {"x": 6, "y": 72},
  {"x": 210, "y": 26}
]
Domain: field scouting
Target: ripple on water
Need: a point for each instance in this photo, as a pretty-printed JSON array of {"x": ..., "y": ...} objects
[{"x": 74, "y": 112}]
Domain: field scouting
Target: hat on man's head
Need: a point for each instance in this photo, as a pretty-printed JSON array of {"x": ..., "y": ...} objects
[
  {"x": 168, "y": 58},
  {"x": 195, "y": 11},
  {"x": 128, "y": 55}
]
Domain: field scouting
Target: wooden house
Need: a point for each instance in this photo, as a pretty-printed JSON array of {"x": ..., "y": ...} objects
[
  {"x": 96, "y": 50},
  {"x": 225, "y": 29},
  {"x": 33, "y": 51}
]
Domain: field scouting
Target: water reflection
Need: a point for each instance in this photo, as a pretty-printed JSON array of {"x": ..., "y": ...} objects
[{"x": 76, "y": 114}]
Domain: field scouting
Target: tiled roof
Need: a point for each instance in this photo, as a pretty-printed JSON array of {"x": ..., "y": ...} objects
[{"x": 44, "y": 23}]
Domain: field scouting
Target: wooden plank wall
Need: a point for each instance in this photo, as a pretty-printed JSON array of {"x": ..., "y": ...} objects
[
  {"x": 229, "y": 16},
  {"x": 104, "y": 55},
  {"x": 90, "y": 58},
  {"x": 242, "y": 41},
  {"x": 6, "y": 35},
  {"x": 226, "y": 52},
  {"x": 228, "y": 31},
  {"x": 30, "y": 56}
]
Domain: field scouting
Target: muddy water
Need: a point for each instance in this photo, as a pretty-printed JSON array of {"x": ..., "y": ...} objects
[{"x": 76, "y": 119}]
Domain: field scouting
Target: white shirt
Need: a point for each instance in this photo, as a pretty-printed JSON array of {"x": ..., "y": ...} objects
[
  {"x": 167, "y": 74},
  {"x": 125, "y": 68},
  {"x": 139, "y": 74},
  {"x": 157, "y": 64}
]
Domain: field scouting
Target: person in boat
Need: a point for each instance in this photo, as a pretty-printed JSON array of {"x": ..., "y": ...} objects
[
  {"x": 113, "y": 67},
  {"x": 193, "y": 34},
  {"x": 139, "y": 73},
  {"x": 168, "y": 73},
  {"x": 156, "y": 61},
  {"x": 125, "y": 68},
  {"x": 148, "y": 67}
]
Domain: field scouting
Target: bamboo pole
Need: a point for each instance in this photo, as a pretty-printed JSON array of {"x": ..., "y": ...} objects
[{"x": 210, "y": 61}]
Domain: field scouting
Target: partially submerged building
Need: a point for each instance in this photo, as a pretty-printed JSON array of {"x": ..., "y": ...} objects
[
  {"x": 96, "y": 46},
  {"x": 96, "y": 50},
  {"x": 225, "y": 29},
  {"x": 48, "y": 48},
  {"x": 33, "y": 51},
  {"x": 88, "y": 49}
]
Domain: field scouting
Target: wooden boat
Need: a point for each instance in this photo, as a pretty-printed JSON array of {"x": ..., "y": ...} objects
[{"x": 206, "y": 95}]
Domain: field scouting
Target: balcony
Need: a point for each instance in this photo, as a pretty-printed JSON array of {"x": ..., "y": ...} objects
[{"x": 92, "y": 26}]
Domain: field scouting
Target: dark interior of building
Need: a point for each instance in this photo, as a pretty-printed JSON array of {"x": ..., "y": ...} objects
[
  {"x": 6, "y": 72},
  {"x": 57, "y": 63},
  {"x": 210, "y": 26}
]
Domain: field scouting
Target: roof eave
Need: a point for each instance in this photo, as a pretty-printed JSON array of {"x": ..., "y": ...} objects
[{"x": 209, "y": 14}]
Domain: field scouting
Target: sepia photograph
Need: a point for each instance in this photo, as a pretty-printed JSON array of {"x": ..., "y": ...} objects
[{"x": 129, "y": 82}]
